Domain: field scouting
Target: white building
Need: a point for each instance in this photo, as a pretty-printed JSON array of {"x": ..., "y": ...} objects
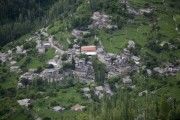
[
  {"x": 24, "y": 102},
  {"x": 89, "y": 50},
  {"x": 58, "y": 108}
]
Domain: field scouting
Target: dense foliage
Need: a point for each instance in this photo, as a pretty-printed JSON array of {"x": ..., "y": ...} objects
[{"x": 19, "y": 17}]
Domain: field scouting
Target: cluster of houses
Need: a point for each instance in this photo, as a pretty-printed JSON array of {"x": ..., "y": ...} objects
[
  {"x": 101, "y": 20},
  {"x": 118, "y": 64},
  {"x": 42, "y": 46},
  {"x": 27, "y": 102},
  {"x": 51, "y": 75},
  {"x": 3, "y": 57},
  {"x": 79, "y": 34},
  {"x": 76, "y": 107},
  {"x": 42, "y": 40},
  {"x": 7, "y": 57},
  {"x": 98, "y": 91},
  {"x": 83, "y": 70},
  {"x": 171, "y": 70},
  {"x": 20, "y": 50},
  {"x": 131, "y": 10}
]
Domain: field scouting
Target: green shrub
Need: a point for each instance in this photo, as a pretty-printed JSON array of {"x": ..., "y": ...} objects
[
  {"x": 64, "y": 57},
  {"x": 67, "y": 66}
]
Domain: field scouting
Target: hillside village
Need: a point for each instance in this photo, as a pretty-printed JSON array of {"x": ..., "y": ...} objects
[
  {"x": 61, "y": 70},
  {"x": 116, "y": 65}
]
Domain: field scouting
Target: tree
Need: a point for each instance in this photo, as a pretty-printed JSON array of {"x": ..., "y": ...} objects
[
  {"x": 64, "y": 57},
  {"x": 25, "y": 81},
  {"x": 177, "y": 116},
  {"x": 39, "y": 69},
  {"x": 46, "y": 118},
  {"x": 67, "y": 66},
  {"x": 164, "y": 109},
  {"x": 100, "y": 70},
  {"x": 172, "y": 114},
  {"x": 73, "y": 64},
  {"x": 29, "y": 45}
]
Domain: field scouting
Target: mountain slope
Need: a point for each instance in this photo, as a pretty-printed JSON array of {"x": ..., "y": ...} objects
[{"x": 136, "y": 69}]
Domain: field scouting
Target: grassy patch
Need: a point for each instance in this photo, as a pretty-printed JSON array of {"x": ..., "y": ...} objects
[
  {"x": 40, "y": 61},
  {"x": 167, "y": 25},
  {"x": 62, "y": 37},
  {"x": 15, "y": 112},
  {"x": 70, "y": 96},
  {"x": 19, "y": 41},
  {"x": 118, "y": 40},
  {"x": 58, "y": 29},
  {"x": 177, "y": 17},
  {"x": 11, "y": 81},
  {"x": 35, "y": 63},
  {"x": 137, "y": 3},
  {"x": 172, "y": 88},
  {"x": 166, "y": 86},
  {"x": 49, "y": 54},
  {"x": 37, "y": 60},
  {"x": 65, "y": 97}
]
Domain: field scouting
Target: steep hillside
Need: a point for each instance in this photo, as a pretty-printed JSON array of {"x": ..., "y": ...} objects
[
  {"x": 90, "y": 60},
  {"x": 19, "y": 17}
]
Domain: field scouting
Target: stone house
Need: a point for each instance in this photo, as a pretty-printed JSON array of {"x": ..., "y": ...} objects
[
  {"x": 20, "y": 50},
  {"x": 77, "y": 107},
  {"x": 15, "y": 69},
  {"x": 3, "y": 57},
  {"x": 127, "y": 80},
  {"x": 99, "y": 91},
  {"x": 29, "y": 76},
  {"x": 25, "y": 102},
  {"x": 51, "y": 75},
  {"x": 101, "y": 20},
  {"x": 79, "y": 34},
  {"x": 84, "y": 70}
]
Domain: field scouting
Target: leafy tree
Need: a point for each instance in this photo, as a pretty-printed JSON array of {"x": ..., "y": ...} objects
[
  {"x": 73, "y": 64},
  {"x": 25, "y": 81},
  {"x": 64, "y": 57},
  {"x": 39, "y": 69},
  {"x": 47, "y": 118},
  {"x": 100, "y": 70},
  {"x": 164, "y": 109},
  {"x": 29, "y": 45},
  {"x": 67, "y": 66}
]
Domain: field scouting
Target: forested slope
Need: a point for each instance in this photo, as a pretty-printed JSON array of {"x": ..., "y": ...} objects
[{"x": 19, "y": 17}]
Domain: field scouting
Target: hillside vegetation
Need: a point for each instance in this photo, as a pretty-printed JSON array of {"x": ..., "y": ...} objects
[{"x": 152, "y": 95}]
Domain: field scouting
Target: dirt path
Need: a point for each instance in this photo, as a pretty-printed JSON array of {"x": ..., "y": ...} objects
[{"x": 54, "y": 46}]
